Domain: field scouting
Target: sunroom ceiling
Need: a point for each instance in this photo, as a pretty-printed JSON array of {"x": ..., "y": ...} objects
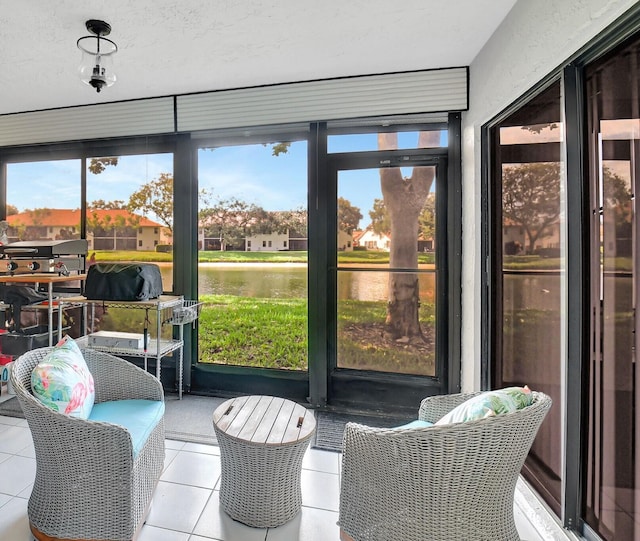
[{"x": 172, "y": 47}]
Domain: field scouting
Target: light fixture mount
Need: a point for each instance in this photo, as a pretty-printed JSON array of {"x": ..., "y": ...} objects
[
  {"x": 97, "y": 27},
  {"x": 97, "y": 51}
]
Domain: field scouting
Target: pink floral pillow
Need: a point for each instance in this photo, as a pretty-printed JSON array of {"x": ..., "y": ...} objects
[{"x": 62, "y": 380}]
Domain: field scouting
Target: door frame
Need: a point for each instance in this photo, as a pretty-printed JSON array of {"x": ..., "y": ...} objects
[{"x": 369, "y": 390}]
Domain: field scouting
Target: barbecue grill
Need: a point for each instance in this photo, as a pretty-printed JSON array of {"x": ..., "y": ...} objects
[{"x": 61, "y": 257}]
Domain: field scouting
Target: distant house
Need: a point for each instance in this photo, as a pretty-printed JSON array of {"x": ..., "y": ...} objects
[
  {"x": 345, "y": 241},
  {"x": 373, "y": 241},
  {"x": 115, "y": 229},
  {"x": 267, "y": 242}
]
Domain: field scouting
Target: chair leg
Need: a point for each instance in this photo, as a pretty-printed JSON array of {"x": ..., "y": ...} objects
[
  {"x": 39, "y": 536},
  {"x": 344, "y": 536}
]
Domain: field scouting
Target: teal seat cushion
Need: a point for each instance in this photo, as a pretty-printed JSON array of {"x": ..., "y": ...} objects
[
  {"x": 139, "y": 417},
  {"x": 414, "y": 424}
]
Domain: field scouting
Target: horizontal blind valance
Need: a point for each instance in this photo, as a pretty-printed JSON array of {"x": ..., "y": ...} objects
[
  {"x": 428, "y": 91},
  {"x": 118, "y": 119},
  {"x": 375, "y": 95}
]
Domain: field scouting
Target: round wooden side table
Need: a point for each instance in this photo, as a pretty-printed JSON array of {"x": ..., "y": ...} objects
[{"x": 262, "y": 443}]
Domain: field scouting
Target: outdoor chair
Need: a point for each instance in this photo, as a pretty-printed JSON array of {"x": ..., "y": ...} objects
[
  {"x": 94, "y": 479},
  {"x": 441, "y": 483}
]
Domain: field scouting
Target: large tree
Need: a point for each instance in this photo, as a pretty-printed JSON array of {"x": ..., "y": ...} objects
[
  {"x": 98, "y": 165},
  {"x": 531, "y": 198},
  {"x": 349, "y": 216},
  {"x": 230, "y": 220},
  {"x": 380, "y": 222},
  {"x": 155, "y": 197},
  {"x": 404, "y": 199},
  {"x": 293, "y": 221},
  {"x": 116, "y": 204}
]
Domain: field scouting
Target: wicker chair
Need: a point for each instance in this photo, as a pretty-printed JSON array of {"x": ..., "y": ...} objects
[
  {"x": 88, "y": 484},
  {"x": 439, "y": 483}
]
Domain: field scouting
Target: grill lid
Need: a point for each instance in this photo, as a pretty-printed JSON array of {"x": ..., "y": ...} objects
[{"x": 44, "y": 248}]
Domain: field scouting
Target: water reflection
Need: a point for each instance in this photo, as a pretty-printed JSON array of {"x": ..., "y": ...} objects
[
  {"x": 290, "y": 281},
  {"x": 374, "y": 286},
  {"x": 253, "y": 281}
]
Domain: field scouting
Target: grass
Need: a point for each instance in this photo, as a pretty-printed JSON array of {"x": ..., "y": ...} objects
[
  {"x": 362, "y": 346},
  {"x": 252, "y": 257},
  {"x": 131, "y": 255},
  {"x": 272, "y": 333},
  {"x": 246, "y": 331},
  {"x": 357, "y": 257}
]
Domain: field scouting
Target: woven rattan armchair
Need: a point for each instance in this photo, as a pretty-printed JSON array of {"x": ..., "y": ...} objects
[
  {"x": 441, "y": 483},
  {"x": 88, "y": 484}
]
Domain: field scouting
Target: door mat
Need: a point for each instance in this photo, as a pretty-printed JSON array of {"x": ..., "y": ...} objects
[
  {"x": 330, "y": 427},
  {"x": 11, "y": 408},
  {"x": 190, "y": 419}
]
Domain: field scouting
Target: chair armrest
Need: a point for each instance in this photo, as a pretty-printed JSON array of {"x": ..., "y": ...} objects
[
  {"x": 57, "y": 434},
  {"x": 118, "y": 379}
]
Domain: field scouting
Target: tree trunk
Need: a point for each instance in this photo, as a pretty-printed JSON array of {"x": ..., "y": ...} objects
[{"x": 404, "y": 199}]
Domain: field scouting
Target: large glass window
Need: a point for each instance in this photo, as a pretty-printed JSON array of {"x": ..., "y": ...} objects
[
  {"x": 529, "y": 259},
  {"x": 130, "y": 210},
  {"x": 43, "y": 200},
  {"x": 613, "y": 473},
  {"x": 252, "y": 272}
]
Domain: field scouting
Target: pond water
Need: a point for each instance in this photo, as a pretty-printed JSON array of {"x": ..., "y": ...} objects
[
  {"x": 290, "y": 281},
  {"x": 254, "y": 280},
  {"x": 521, "y": 290}
]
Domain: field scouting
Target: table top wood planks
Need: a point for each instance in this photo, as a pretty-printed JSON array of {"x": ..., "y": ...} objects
[{"x": 264, "y": 420}]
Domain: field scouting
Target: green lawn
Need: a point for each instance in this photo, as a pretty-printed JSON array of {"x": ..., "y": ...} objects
[
  {"x": 272, "y": 333},
  {"x": 356, "y": 257},
  {"x": 245, "y": 331}
]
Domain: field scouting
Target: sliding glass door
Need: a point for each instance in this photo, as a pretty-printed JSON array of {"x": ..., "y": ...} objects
[
  {"x": 613, "y": 474},
  {"x": 529, "y": 287}
]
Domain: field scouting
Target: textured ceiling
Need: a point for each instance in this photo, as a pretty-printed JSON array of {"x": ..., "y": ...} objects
[{"x": 168, "y": 47}]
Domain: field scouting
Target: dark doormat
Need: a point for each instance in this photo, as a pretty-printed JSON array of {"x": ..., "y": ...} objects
[
  {"x": 191, "y": 419},
  {"x": 11, "y": 408},
  {"x": 330, "y": 427}
]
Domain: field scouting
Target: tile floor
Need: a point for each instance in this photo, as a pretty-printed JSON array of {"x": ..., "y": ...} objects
[{"x": 186, "y": 506}]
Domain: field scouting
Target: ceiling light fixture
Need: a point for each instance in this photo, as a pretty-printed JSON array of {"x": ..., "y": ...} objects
[{"x": 96, "y": 67}]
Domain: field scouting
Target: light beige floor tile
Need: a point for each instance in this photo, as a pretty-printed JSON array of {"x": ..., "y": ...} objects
[
  {"x": 14, "y": 439},
  {"x": 320, "y": 490},
  {"x": 215, "y": 523},
  {"x": 308, "y": 525},
  {"x": 169, "y": 455},
  {"x": 195, "y": 469},
  {"x": 151, "y": 533},
  {"x": 201, "y": 448},
  {"x": 14, "y": 525},
  {"x": 177, "y": 507},
  {"x": 174, "y": 444},
  {"x": 325, "y": 461},
  {"x": 16, "y": 474}
]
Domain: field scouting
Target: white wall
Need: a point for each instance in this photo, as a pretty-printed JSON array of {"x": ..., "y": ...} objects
[{"x": 535, "y": 38}]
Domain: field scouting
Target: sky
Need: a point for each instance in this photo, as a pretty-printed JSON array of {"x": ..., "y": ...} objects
[{"x": 247, "y": 172}]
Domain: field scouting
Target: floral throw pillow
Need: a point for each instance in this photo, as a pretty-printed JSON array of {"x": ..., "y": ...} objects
[
  {"x": 62, "y": 380},
  {"x": 489, "y": 404}
]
